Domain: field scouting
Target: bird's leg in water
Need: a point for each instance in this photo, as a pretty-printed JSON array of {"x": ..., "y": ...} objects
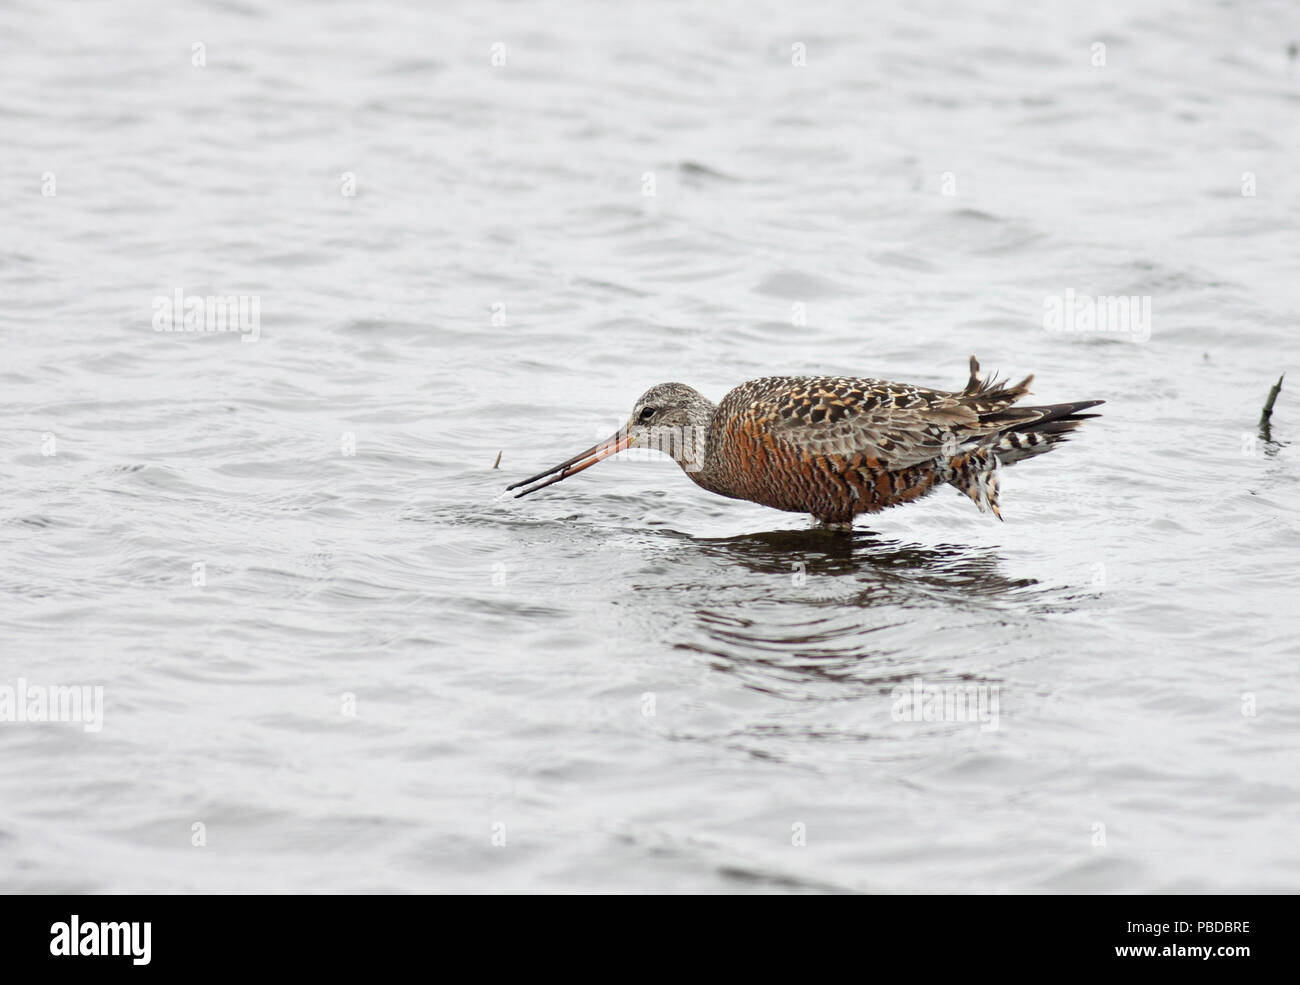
[{"x": 838, "y": 527}]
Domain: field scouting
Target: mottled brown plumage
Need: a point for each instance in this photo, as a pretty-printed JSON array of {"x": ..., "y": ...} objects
[{"x": 839, "y": 446}]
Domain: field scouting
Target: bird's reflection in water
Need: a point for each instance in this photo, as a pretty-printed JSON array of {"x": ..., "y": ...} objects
[
  {"x": 860, "y": 610},
  {"x": 881, "y": 569}
]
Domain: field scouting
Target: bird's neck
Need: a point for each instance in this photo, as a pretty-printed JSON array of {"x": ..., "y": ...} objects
[{"x": 698, "y": 447}]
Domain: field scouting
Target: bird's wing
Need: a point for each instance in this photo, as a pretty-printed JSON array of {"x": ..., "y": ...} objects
[{"x": 887, "y": 425}]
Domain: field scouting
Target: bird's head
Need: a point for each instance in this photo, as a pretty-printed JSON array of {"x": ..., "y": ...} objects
[{"x": 671, "y": 417}]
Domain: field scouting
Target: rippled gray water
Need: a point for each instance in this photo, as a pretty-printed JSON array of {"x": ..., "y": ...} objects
[{"x": 391, "y": 678}]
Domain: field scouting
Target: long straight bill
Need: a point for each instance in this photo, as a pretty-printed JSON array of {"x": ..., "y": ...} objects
[{"x": 585, "y": 460}]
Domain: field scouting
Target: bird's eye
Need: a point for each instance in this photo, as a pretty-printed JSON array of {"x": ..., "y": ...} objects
[{"x": 647, "y": 413}]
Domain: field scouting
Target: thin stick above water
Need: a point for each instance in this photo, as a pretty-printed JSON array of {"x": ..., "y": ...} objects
[{"x": 1268, "y": 407}]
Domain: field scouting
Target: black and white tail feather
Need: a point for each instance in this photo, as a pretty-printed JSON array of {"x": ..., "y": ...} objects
[{"x": 1009, "y": 434}]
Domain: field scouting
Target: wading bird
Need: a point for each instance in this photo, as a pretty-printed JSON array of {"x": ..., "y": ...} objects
[{"x": 838, "y": 446}]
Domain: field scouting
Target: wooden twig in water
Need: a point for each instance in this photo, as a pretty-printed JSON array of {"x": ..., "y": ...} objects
[
  {"x": 498, "y": 461},
  {"x": 1264, "y": 429}
]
